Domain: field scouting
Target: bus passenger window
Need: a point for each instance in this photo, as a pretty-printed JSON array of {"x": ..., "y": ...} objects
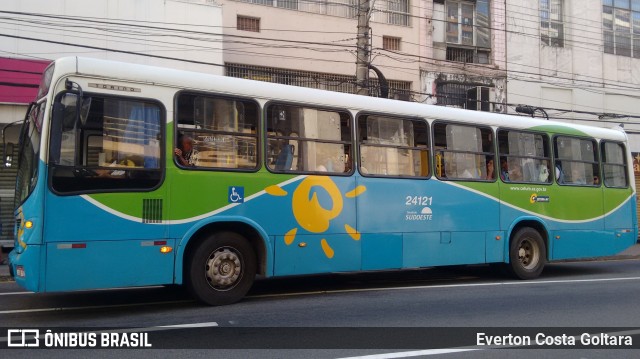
[
  {"x": 524, "y": 156},
  {"x": 216, "y": 133},
  {"x": 392, "y": 146},
  {"x": 464, "y": 152},
  {"x": 614, "y": 163},
  {"x": 308, "y": 140},
  {"x": 576, "y": 161}
]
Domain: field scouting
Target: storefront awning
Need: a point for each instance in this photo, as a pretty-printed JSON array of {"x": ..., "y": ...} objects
[{"x": 19, "y": 79}]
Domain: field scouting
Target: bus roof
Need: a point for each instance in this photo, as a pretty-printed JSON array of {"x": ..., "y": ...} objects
[{"x": 180, "y": 79}]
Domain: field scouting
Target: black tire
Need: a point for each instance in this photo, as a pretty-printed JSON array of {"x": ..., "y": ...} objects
[
  {"x": 221, "y": 269},
  {"x": 527, "y": 254}
]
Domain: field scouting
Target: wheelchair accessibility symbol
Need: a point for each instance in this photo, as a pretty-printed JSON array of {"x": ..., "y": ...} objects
[{"x": 236, "y": 195}]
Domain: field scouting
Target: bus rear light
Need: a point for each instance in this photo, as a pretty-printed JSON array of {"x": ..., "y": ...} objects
[
  {"x": 165, "y": 249},
  {"x": 20, "y": 271}
]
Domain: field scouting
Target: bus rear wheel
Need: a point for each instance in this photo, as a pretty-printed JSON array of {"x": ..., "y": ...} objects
[
  {"x": 221, "y": 269},
  {"x": 527, "y": 254}
]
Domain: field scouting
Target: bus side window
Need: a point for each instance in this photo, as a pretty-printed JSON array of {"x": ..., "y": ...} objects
[
  {"x": 614, "y": 162},
  {"x": 308, "y": 140},
  {"x": 524, "y": 156},
  {"x": 394, "y": 147},
  {"x": 216, "y": 132},
  {"x": 464, "y": 152},
  {"x": 576, "y": 161}
]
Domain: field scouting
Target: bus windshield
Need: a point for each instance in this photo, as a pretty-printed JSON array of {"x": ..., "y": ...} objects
[{"x": 29, "y": 153}]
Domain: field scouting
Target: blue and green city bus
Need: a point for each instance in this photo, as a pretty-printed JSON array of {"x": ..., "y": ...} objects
[{"x": 132, "y": 175}]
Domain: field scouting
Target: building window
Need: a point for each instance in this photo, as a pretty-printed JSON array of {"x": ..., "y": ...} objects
[
  {"x": 472, "y": 55},
  {"x": 287, "y": 4},
  {"x": 391, "y": 43},
  {"x": 460, "y": 95},
  {"x": 621, "y": 24},
  {"x": 246, "y": 23},
  {"x": 317, "y": 80},
  {"x": 467, "y": 29},
  {"x": 398, "y": 12},
  {"x": 551, "y": 26}
]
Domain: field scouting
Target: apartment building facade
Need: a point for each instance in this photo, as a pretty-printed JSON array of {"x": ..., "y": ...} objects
[
  {"x": 464, "y": 54},
  {"x": 578, "y": 59},
  {"x": 312, "y": 43}
]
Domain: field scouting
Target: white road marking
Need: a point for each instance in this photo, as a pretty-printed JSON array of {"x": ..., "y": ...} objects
[
  {"x": 145, "y": 329},
  {"x": 191, "y": 325},
  {"x": 16, "y": 293},
  {"x": 36, "y": 310},
  {"x": 413, "y": 353},
  {"x": 491, "y": 284}
]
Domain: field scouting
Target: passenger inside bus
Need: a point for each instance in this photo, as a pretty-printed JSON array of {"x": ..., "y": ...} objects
[
  {"x": 186, "y": 155},
  {"x": 559, "y": 173},
  {"x": 515, "y": 174},
  {"x": 543, "y": 175},
  {"x": 490, "y": 170},
  {"x": 577, "y": 177},
  {"x": 504, "y": 169}
]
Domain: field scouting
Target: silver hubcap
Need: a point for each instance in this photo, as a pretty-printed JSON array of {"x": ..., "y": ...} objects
[
  {"x": 528, "y": 254},
  {"x": 223, "y": 268}
]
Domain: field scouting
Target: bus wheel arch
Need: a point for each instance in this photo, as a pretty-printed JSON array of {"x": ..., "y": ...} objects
[
  {"x": 199, "y": 233},
  {"x": 528, "y": 249}
]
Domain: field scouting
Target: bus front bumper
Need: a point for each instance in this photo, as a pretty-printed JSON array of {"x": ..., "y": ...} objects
[{"x": 25, "y": 268}]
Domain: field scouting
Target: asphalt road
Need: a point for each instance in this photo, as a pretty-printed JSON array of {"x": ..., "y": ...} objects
[{"x": 581, "y": 294}]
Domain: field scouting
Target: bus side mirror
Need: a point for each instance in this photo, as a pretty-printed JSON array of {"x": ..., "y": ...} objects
[{"x": 8, "y": 155}]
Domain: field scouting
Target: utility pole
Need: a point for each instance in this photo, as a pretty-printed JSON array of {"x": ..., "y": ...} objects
[{"x": 362, "y": 54}]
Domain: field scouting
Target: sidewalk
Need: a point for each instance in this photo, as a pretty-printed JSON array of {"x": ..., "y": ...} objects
[{"x": 631, "y": 253}]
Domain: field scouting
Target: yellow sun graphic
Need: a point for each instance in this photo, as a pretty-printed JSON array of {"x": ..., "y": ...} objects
[{"x": 310, "y": 214}]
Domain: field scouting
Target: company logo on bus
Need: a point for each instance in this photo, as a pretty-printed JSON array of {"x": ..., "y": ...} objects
[{"x": 313, "y": 216}]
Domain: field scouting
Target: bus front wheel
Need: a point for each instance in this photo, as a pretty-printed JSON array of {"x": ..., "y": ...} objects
[
  {"x": 527, "y": 254},
  {"x": 221, "y": 269}
]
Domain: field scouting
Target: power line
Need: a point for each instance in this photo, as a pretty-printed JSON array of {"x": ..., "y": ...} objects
[{"x": 599, "y": 81}]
